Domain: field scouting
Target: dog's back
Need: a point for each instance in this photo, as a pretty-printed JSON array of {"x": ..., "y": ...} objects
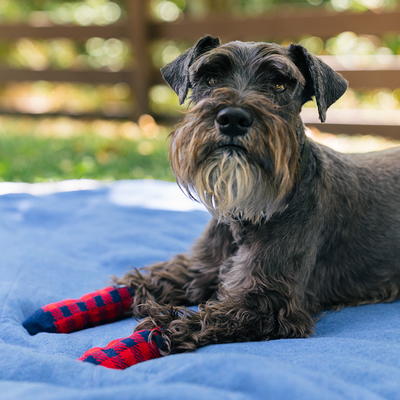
[
  {"x": 362, "y": 233},
  {"x": 380, "y": 170}
]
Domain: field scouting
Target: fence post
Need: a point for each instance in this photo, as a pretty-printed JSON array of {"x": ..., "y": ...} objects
[{"x": 138, "y": 32}]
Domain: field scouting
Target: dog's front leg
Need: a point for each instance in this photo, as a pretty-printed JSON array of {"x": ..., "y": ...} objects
[
  {"x": 186, "y": 279},
  {"x": 250, "y": 316},
  {"x": 254, "y": 304}
]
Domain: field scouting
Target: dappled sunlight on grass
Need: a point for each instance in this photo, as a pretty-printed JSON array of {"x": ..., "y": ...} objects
[{"x": 53, "y": 149}]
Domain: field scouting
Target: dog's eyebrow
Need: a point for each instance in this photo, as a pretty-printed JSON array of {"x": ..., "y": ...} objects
[
  {"x": 281, "y": 65},
  {"x": 217, "y": 61}
]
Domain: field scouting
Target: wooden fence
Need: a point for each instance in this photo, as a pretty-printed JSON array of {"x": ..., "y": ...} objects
[{"x": 140, "y": 30}]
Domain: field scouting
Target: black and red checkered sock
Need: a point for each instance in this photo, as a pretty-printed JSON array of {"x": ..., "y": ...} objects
[
  {"x": 122, "y": 353},
  {"x": 96, "y": 308}
]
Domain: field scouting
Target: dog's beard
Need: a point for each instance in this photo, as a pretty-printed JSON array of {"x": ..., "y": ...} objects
[
  {"x": 231, "y": 187},
  {"x": 247, "y": 185}
]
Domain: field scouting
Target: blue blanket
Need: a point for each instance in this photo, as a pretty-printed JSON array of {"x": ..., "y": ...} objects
[{"x": 58, "y": 243}]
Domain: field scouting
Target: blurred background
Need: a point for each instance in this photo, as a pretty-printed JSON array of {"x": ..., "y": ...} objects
[{"x": 81, "y": 95}]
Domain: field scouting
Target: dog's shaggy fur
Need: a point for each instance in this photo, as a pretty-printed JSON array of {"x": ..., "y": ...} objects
[{"x": 297, "y": 228}]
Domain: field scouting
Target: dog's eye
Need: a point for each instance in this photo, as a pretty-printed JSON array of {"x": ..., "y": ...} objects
[
  {"x": 211, "y": 81},
  {"x": 279, "y": 87}
]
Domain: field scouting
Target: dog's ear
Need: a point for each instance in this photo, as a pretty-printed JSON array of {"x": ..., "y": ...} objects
[
  {"x": 321, "y": 80},
  {"x": 176, "y": 73}
]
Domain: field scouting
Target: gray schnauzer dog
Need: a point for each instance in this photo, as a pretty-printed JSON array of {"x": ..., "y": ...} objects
[{"x": 296, "y": 228}]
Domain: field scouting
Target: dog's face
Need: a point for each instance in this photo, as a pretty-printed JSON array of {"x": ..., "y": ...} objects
[{"x": 238, "y": 148}]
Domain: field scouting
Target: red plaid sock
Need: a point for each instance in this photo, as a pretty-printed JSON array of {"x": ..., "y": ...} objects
[
  {"x": 125, "y": 352},
  {"x": 96, "y": 308}
]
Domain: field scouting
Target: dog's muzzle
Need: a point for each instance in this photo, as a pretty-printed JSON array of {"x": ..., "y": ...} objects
[{"x": 233, "y": 121}]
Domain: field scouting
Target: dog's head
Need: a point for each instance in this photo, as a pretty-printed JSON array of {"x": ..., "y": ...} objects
[{"x": 237, "y": 150}]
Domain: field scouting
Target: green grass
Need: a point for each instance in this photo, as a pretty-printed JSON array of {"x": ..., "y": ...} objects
[{"x": 35, "y": 158}]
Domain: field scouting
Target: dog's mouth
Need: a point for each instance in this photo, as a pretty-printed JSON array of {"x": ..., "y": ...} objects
[
  {"x": 232, "y": 148},
  {"x": 219, "y": 149}
]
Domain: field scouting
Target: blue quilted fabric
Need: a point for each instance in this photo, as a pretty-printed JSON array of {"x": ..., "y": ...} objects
[{"x": 63, "y": 244}]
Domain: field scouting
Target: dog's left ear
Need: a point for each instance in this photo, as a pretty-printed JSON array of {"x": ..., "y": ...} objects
[
  {"x": 321, "y": 80},
  {"x": 176, "y": 73}
]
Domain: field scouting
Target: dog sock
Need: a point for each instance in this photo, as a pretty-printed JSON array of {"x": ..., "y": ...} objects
[
  {"x": 96, "y": 308},
  {"x": 122, "y": 353}
]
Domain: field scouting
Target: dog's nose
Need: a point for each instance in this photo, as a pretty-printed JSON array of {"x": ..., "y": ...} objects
[{"x": 234, "y": 121}]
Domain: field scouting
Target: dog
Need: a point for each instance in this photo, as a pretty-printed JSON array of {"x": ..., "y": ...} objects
[{"x": 297, "y": 228}]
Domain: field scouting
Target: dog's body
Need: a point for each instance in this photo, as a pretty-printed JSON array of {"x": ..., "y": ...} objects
[
  {"x": 297, "y": 228},
  {"x": 355, "y": 223}
]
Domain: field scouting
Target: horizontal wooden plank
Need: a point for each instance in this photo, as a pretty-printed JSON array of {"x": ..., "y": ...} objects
[
  {"x": 51, "y": 75},
  {"x": 282, "y": 25},
  {"x": 387, "y": 131},
  {"x": 83, "y": 116},
  {"x": 367, "y": 72},
  {"x": 75, "y": 32},
  {"x": 384, "y": 123},
  {"x": 373, "y": 79},
  {"x": 273, "y": 26},
  {"x": 358, "y": 79}
]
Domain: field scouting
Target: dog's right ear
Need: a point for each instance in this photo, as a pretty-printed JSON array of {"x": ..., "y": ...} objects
[{"x": 176, "y": 73}]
